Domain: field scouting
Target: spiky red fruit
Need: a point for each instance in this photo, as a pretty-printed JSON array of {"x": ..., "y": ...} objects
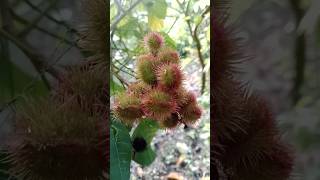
[
  {"x": 128, "y": 108},
  {"x": 169, "y": 76},
  {"x": 190, "y": 98},
  {"x": 181, "y": 96},
  {"x": 190, "y": 110},
  {"x": 153, "y": 41},
  {"x": 138, "y": 88},
  {"x": 171, "y": 122},
  {"x": 159, "y": 104},
  {"x": 55, "y": 139},
  {"x": 146, "y": 69},
  {"x": 190, "y": 113},
  {"x": 168, "y": 56}
]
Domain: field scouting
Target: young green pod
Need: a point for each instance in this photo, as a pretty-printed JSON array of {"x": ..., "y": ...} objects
[
  {"x": 153, "y": 42},
  {"x": 128, "y": 108},
  {"x": 146, "y": 69}
]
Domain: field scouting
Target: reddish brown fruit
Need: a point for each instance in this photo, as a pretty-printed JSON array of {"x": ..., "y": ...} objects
[
  {"x": 128, "y": 108},
  {"x": 153, "y": 41},
  {"x": 159, "y": 104},
  {"x": 169, "y": 77},
  {"x": 171, "y": 122},
  {"x": 168, "y": 56}
]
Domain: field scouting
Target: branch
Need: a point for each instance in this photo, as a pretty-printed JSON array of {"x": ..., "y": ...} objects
[
  {"x": 32, "y": 24},
  {"x": 36, "y": 59},
  {"x": 121, "y": 16},
  {"x": 300, "y": 51},
  {"x": 64, "y": 24},
  {"x": 123, "y": 82},
  {"x": 26, "y": 22},
  {"x": 194, "y": 34}
]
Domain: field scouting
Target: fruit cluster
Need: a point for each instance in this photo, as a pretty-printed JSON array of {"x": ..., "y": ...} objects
[{"x": 159, "y": 93}]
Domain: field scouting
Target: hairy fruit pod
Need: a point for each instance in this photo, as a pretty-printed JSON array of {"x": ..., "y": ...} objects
[
  {"x": 138, "y": 88},
  {"x": 153, "y": 42},
  {"x": 169, "y": 76},
  {"x": 146, "y": 69},
  {"x": 159, "y": 104},
  {"x": 189, "y": 109},
  {"x": 171, "y": 122},
  {"x": 52, "y": 144},
  {"x": 190, "y": 113},
  {"x": 128, "y": 108},
  {"x": 168, "y": 56}
]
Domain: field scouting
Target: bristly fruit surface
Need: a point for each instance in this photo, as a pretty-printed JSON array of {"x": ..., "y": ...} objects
[
  {"x": 169, "y": 56},
  {"x": 159, "y": 91},
  {"x": 154, "y": 42},
  {"x": 128, "y": 108},
  {"x": 146, "y": 66},
  {"x": 169, "y": 77},
  {"x": 159, "y": 104}
]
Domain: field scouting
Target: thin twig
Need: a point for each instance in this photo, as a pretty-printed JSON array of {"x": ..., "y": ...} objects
[
  {"x": 26, "y": 22},
  {"x": 123, "y": 82},
  {"x": 32, "y": 24},
  {"x": 118, "y": 70},
  {"x": 194, "y": 34},
  {"x": 119, "y": 7},
  {"x": 35, "y": 59},
  {"x": 173, "y": 25},
  {"x": 121, "y": 16},
  {"x": 64, "y": 24},
  {"x": 300, "y": 51}
]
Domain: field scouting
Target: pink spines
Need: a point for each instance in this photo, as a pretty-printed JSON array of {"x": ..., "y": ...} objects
[
  {"x": 153, "y": 42},
  {"x": 169, "y": 77},
  {"x": 159, "y": 104}
]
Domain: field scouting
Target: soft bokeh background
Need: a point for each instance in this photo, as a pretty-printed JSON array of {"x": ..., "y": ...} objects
[
  {"x": 270, "y": 29},
  {"x": 38, "y": 38},
  {"x": 183, "y": 152}
]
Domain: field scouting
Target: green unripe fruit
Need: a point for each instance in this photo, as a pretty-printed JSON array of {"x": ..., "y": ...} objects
[
  {"x": 171, "y": 122},
  {"x": 169, "y": 56},
  {"x": 153, "y": 41},
  {"x": 128, "y": 108},
  {"x": 146, "y": 69},
  {"x": 138, "y": 88}
]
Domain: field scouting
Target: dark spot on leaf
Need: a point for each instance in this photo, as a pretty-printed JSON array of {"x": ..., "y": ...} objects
[{"x": 139, "y": 144}]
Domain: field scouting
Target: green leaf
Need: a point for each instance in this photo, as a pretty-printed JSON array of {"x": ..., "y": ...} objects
[
  {"x": 146, "y": 157},
  {"x": 120, "y": 152},
  {"x": 147, "y": 129},
  {"x": 156, "y": 8},
  {"x": 169, "y": 41},
  {"x": 127, "y": 27},
  {"x": 115, "y": 87},
  {"x": 155, "y": 23}
]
